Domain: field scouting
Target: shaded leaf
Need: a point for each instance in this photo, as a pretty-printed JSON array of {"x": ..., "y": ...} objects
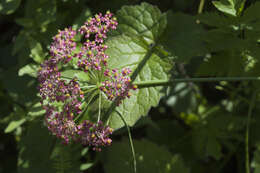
[
  {"x": 251, "y": 13},
  {"x": 39, "y": 152},
  {"x": 9, "y": 6},
  {"x": 150, "y": 158},
  {"x": 214, "y": 19},
  {"x": 183, "y": 37}
]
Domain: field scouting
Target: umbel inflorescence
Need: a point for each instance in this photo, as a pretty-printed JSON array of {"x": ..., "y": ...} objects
[{"x": 63, "y": 98}]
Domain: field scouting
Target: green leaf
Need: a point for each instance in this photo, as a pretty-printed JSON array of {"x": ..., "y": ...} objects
[
  {"x": 251, "y": 13},
  {"x": 25, "y": 22},
  {"x": 226, "y": 6},
  {"x": 183, "y": 37},
  {"x": 205, "y": 143},
  {"x": 66, "y": 159},
  {"x": 256, "y": 160},
  {"x": 9, "y": 6},
  {"x": 213, "y": 148},
  {"x": 234, "y": 65},
  {"x": 14, "y": 124},
  {"x": 37, "y": 53},
  {"x": 36, "y": 110},
  {"x": 214, "y": 19},
  {"x": 35, "y": 149},
  {"x": 30, "y": 69},
  {"x": 40, "y": 152},
  {"x": 182, "y": 98},
  {"x": 70, "y": 74},
  {"x": 143, "y": 26},
  {"x": 85, "y": 14},
  {"x": 125, "y": 51},
  {"x": 143, "y": 20},
  {"x": 43, "y": 12},
  {"x": 150, "y": 158},
  {"x": 85, "y": 166}
]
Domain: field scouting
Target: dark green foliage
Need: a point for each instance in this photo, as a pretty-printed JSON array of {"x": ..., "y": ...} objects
[{"x": 182, "y": 128}]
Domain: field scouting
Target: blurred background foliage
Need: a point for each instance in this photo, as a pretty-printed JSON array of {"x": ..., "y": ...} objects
[{"x": 196, "y": 128}]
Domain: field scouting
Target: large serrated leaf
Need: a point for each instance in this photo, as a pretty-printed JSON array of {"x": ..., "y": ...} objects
[
  {"x": 139, "y": 29},
  {"x": 143, "y": 20},
  {"x": 125, "y": 51}
]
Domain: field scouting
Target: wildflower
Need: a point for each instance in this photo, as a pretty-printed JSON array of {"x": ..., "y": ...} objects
[
  {"x": 117, "y": 85},
  {"x": 94, "y": 135},
  {"x": 63, "y": 98}
]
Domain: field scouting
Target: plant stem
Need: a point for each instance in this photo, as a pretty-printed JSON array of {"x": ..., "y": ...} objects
[
  {"x": 130, "y": 139},
  {"x": 154, "y": 83},
  {"x": 99, "y": 107},
  {"x": 251, "y": 106},
  {"x": 200, "y": 9},
  {"x": 85, "y": 109},
  {"x": 143, "y": 62},
  {"x": 89, "y": 86}
]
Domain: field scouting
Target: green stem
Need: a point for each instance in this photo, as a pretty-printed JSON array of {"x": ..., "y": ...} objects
[
  {"x": 241, "y": 8},
  {"x": 143, "y": 62},
  {"x": 200, "y": 9},
  {"x": 251, "y": 106},
  {"x": 89, "y": 86},
  {"x": 93, "y": 74},
  {"x": 130, "y": 138},
  {"x": 99, "y": 107},
  {"x": 133, "y": 77},
  {"x": 154, "y": 83},
  {"x": 85, "y": 109}
]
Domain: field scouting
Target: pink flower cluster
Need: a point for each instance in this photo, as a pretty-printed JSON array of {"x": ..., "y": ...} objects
[
  {"x": 92, "y": 54},
  {"x": 63, "y": 45},
  {"x": 63, "y": 98},
  {"x": 118, "y": 84},
  {"x": 95, "y": 135}
]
